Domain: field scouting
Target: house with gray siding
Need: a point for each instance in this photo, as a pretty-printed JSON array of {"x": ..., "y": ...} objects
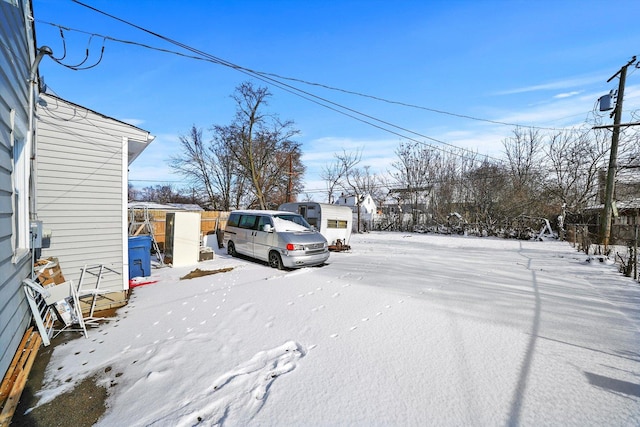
[
  {"x": 82, "y": 167},
  {"x": 18, "y": 92}
]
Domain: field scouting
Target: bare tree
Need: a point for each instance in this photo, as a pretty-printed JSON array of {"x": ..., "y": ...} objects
[
  {"x": 347, "y": 163},
  {"x": 133, "y": 194},
  {"x": 251, "y": 162},
  {"x": 415, "y": 175},
  {"x": 226, "y": 177},
  {"x": 575, "y": 158},
  {"x": 448, "y": 192},
  {"x": 523, "y": 152},
  {"x": 486, "y": 191},
  {"x": 369, "y": 182},
  {"x": 168, "y": 194},
  {"x": 524, "y": 158},
  {"x": 332, "y": 174},
  {"x": 196, "y": 164},
  {"x": 262, "y": 146}
]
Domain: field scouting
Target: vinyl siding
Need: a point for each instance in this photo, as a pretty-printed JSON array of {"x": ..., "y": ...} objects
[
  {"x": 16, "y": 56},
  {"x": 81, "y": 179}
]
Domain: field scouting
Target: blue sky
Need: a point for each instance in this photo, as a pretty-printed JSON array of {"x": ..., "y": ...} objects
[{"x": 533, "y": 63}]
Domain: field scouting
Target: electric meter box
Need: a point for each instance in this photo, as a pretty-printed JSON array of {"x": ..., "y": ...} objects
[{"x": 606, "y": 103}]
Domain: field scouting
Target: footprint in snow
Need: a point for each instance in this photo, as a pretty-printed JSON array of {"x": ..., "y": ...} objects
[{"x": 237, "y": 396}]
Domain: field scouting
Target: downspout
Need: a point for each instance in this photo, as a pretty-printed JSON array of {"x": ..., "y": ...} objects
[{"x": 31, "y": 140}]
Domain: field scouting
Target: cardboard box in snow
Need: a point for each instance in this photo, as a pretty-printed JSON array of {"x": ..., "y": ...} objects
[{"x": 48, "y": 271}]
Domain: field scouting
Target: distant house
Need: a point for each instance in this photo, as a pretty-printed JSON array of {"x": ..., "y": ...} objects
[
  {"x": 627, "y": 204},
  {"x": 627, "y": 195},
  {"x": 368, "y": 211},
  {"x": 410, "y": 206},
  {"x": 18, "y": 93},
  {"x": 83, "y": 158},
  {"x": 626, "y": 213}
]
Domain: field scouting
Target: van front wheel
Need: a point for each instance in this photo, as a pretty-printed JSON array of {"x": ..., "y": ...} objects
[{"x": 275, "y": 261}]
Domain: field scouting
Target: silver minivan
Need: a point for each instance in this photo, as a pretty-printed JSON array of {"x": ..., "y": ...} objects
[{"x": 283, "y": 239}]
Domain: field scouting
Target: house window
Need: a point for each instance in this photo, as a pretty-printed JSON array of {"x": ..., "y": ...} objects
[{"x": 20, "y": 182}]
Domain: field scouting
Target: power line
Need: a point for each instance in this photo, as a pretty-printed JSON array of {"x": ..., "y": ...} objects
[
  {"x": 270, "y": 77},
  {"x": 294, "y": 90},
  {"x": 266, "y": 74},
  {"x": 274, "y": 75}
]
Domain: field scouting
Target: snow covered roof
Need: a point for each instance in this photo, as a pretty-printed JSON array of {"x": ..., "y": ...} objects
[
  {"x": 165, "y": 207},
  {"x": 628, "y": 176}
]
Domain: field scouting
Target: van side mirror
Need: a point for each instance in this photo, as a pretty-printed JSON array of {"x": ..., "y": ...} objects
[{"x": 267, "y": 228}]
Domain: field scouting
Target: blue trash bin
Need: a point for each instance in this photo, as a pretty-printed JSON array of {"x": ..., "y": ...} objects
[{"x": 139, "y": 256}]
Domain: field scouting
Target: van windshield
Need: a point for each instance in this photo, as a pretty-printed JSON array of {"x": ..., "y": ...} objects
[{"x": 291, "y": 222}]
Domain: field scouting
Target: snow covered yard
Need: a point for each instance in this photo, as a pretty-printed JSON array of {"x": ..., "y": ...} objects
[{"x": 403, "y": 330}]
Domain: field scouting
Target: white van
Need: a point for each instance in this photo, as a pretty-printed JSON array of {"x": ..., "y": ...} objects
[{"x": 283, "y": 239}]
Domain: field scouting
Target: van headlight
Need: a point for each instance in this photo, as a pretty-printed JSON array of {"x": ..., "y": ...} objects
[{"x": 292, "y": 247}]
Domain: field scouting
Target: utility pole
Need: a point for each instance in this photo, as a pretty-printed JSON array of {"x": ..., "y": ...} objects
[
  {"x": 613, "y": 156},
  {"x": 290, "y": 180}
]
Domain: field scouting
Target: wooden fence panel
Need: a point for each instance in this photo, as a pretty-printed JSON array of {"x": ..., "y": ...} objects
[{"x": 210, "y": 221}]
